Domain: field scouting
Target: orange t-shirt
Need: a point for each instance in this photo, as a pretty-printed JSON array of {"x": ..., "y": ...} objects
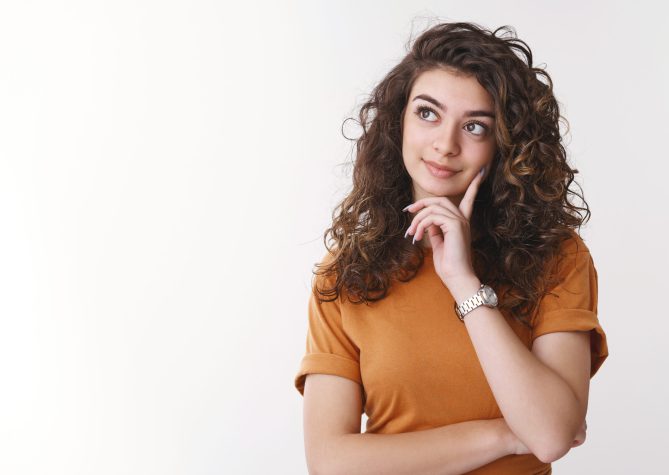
[{"x": 415, "y": 360}]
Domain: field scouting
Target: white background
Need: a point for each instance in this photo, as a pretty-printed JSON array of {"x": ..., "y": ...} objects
[{"x": 167, "y": 170}]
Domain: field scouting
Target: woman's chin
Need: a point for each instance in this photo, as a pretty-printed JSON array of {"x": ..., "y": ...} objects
[{"x": 445, "y": 192}]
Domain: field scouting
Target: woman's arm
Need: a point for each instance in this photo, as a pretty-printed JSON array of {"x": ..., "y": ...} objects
[
  {"x": 453, "y": 449},
  {"x": 543, "y": 393},
  {"x": 334, "y": 444}
]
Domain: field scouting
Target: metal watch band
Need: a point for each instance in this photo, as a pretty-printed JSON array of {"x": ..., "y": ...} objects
[{"x": 468, "y": 305}]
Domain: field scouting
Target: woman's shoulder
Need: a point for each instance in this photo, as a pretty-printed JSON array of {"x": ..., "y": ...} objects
[
  {"x": 325, "y": 271},
  {"x": 573, "y": 254},
  {"x": 573, "y": 244}
]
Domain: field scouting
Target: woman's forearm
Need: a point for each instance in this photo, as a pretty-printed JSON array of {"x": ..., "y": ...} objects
[
  {"x": 537, "y": 404},
  {"x": 451, "y": 449}
]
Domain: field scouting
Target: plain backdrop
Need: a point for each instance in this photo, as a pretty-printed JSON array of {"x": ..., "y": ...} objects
[{"x": 167, "y": 170}]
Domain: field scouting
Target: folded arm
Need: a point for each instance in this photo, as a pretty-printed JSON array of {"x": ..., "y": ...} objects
[
  {"x": 542, "y": 393},
  {"x": 334, "y": 444}
]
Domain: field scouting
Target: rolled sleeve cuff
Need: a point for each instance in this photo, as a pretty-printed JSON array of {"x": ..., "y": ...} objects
[
  {"x": 327, "y": 363},
  {"x": 576, "y": 320}
]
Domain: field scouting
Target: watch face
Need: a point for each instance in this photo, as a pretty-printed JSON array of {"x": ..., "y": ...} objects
[{"x": 489, "y": 296}]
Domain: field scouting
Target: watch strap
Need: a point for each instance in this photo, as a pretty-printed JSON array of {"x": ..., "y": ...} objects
[{"x": 470, "y": 304}]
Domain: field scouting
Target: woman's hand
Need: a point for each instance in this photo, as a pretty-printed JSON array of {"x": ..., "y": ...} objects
[{"x": 447, "y": 226}]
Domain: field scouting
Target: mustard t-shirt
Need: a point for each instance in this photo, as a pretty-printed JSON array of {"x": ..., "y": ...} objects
[{"x": 415, "y": 360}]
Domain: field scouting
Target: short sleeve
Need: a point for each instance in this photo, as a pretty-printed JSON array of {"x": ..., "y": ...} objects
[
  {"x": 572, "y": 304},
  {"x": 329, "y": 349}
]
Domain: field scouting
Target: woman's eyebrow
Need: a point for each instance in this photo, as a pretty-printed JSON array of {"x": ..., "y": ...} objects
[{"x": 474, "y": 113}]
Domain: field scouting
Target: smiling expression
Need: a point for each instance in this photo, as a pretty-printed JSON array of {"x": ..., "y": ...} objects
[{"x": 448, "y": 133}]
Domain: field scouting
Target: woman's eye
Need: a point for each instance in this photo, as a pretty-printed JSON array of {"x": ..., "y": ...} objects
[
  {"x": 476, "y": 128},
  {"x": 424, "y": 112},
  {"x": 472, "y": 127}
]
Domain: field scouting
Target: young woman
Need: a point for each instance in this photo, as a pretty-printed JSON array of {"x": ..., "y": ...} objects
[{"x": 456, "y": 305}]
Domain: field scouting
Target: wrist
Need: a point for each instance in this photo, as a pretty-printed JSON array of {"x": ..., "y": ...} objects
[
  {"x": 506, "y": 438},
  {"x": 464, "y": 287}
]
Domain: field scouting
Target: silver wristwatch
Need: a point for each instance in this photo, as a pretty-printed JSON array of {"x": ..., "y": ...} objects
[{"x": 485, "y": 296}]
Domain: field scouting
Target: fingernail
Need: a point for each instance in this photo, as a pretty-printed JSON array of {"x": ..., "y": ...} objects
[
  {"x": 482, "y": 171},
  {"x": 405, "y": 234},
  {"x": 406, "y": 207},
  {"x": 414, "y": 240}
]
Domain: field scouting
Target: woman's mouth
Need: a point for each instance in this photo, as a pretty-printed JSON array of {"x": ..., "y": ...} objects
[{"x": 439, "y": 172}]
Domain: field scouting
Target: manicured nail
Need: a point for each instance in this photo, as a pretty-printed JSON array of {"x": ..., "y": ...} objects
[
  {"x": 482, "y": 171},
  {"x": 405, "y": 234},
  {"x": 407, "y": 207},
  {"x": 414, "y": 240}
]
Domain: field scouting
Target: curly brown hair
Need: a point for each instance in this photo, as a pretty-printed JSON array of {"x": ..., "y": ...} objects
[{"x": 523, "y": 211}]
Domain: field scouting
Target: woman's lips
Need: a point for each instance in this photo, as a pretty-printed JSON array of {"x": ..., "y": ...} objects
[{"x": 439, "y": 172}]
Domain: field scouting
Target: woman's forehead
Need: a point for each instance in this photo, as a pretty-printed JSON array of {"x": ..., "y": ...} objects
[{"x": 451, "y": 90}]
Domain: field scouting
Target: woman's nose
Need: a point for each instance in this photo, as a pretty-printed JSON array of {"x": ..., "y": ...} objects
[{"x": 446, "y": 143}]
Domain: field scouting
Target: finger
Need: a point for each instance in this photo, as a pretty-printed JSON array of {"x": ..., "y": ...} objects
[
  {"x": 436, "y": 236},
  {"x": 435, "y": 208},
  {"x": 443, "y": 221},
  {"x": 467, "y": 202},
  {"x": 424, "y": 213},
  {"x": 442, "y": 201}
]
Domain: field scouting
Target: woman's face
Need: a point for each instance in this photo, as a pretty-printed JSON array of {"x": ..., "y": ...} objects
[{"x": 448, "y": 133}]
